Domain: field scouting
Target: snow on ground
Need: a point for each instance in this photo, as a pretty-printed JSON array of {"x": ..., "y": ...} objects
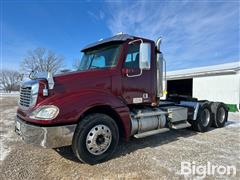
[
  {"x": 8, "y": 107},
  {"x": 233, "y": 119},
  {"x": 7, "y": 131},
  {"x": 12, "y": 94}
]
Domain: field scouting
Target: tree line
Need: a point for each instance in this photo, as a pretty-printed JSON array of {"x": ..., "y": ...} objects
[{"x": 38, "y": 60}]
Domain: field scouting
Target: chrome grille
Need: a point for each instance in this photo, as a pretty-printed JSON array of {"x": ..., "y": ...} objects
[{"x": 25, "y": 96}]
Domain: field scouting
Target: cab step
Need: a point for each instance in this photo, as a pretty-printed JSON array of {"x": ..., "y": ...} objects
[
  {"x": 149, "y": 133},
  {"x": 180, "y": 125}
]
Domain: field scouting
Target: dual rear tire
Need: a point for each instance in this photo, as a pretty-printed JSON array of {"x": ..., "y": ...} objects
[
  {"x": 220, "y": 114},
  {"x": 204, "y": 119},
  {"x": 210, "y": 114}
]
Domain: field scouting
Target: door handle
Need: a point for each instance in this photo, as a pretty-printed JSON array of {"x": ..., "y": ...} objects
[
  {"x": 135, "y": 75},
  {"x": 127, "y": 71}
]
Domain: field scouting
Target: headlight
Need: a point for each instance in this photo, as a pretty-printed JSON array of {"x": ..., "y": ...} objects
[{"x": 47, "y": 112}]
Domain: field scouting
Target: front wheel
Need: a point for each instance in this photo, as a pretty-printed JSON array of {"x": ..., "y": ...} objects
[{"x": 95, "y": 138}]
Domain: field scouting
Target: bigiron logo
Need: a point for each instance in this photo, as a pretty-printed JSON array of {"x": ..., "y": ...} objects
[{"x": 208, "y": 169}]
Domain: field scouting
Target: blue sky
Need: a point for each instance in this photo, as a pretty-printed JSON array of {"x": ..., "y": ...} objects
[{"x": 194, "y": 33}]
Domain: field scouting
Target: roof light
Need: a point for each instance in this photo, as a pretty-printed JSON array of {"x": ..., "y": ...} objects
[{"x": 120, "y": 33}]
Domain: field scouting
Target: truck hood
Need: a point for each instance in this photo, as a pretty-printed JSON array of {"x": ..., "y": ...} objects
[{"x": 73, "y": 82}]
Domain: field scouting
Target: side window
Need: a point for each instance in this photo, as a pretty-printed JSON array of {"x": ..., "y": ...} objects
[
  {"x": 98, "y": 62},
  {"x": 132, "y": 58}
]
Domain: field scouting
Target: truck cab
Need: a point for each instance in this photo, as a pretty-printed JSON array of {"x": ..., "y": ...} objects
[{"x": 116, "y": 93}]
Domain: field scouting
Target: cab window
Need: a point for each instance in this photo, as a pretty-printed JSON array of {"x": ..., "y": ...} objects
[
  {"x": 132, "y": 58},
  {"x": 98, "y": 62},
  {"x": 99, "y": 58}
]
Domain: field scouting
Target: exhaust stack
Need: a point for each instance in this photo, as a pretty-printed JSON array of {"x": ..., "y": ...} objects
[{"x": 161, "y": 71}]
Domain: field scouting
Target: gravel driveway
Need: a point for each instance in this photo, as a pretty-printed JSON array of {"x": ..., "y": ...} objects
[{"x": 155, "y": 157}]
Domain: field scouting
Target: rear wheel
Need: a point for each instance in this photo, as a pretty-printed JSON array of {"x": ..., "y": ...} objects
[
  {"x": 220, "y": 114},
  {"x": 204, "y": 119},
  {"x": 95, "y": 138}
]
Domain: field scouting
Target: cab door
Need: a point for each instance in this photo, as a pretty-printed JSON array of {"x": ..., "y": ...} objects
[{"x": 136, "y": 83}]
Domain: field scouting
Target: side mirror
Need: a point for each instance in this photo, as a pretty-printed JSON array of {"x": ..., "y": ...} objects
[
  {"x": 145, "y": 56},
  {"x": 32, "y": 75}
]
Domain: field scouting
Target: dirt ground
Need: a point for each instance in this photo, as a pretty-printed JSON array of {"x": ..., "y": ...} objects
[{"x": 155, "y": 157}]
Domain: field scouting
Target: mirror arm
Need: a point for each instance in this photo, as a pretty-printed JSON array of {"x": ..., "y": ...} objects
[{"x": 136, "y": 75}]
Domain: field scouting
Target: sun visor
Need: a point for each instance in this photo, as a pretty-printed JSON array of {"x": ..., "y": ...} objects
[{"x": 117, "y": 38}]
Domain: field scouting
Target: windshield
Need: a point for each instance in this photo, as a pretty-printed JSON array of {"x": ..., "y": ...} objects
[{"x": 105, "y": 57}]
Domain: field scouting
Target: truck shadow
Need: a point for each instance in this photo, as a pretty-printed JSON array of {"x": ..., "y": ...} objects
[
  {"x": 135, "y": 144},
  {"x": 152, "y": 141}
]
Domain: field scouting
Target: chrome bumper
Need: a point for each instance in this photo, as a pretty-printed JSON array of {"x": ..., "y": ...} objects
[{"x": 47, "y": 137}]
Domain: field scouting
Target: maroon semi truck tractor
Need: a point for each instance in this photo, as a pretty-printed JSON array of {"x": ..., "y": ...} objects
[{"x": 116, "y": 93}]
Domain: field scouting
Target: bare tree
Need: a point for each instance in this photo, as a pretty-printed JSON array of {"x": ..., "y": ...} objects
[
  {"x": 10, "y": 80},
  {"x": 41, "y": 60}
]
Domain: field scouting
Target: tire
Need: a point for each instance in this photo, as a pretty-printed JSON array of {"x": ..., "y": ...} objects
[
  {"x": 219, "y": 113},
  {"x": 204, "y": 119},
  {"x": 95, "y": 138}
]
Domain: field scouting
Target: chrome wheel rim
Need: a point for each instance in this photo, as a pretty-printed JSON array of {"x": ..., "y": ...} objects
[
  {"x": 221, "y": 114},
  {"x": 205, "y": 117},
  {"x": 98, "y": 139}
]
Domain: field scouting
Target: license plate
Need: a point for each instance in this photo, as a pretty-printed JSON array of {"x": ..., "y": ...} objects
[{"x": 18, "y": 126}]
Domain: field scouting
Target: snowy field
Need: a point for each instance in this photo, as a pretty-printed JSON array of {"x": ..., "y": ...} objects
[
  {"x": 6, "y": 95},
  {"x": 156, "y": 157},
  {"x": 12, "y": 94}
]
